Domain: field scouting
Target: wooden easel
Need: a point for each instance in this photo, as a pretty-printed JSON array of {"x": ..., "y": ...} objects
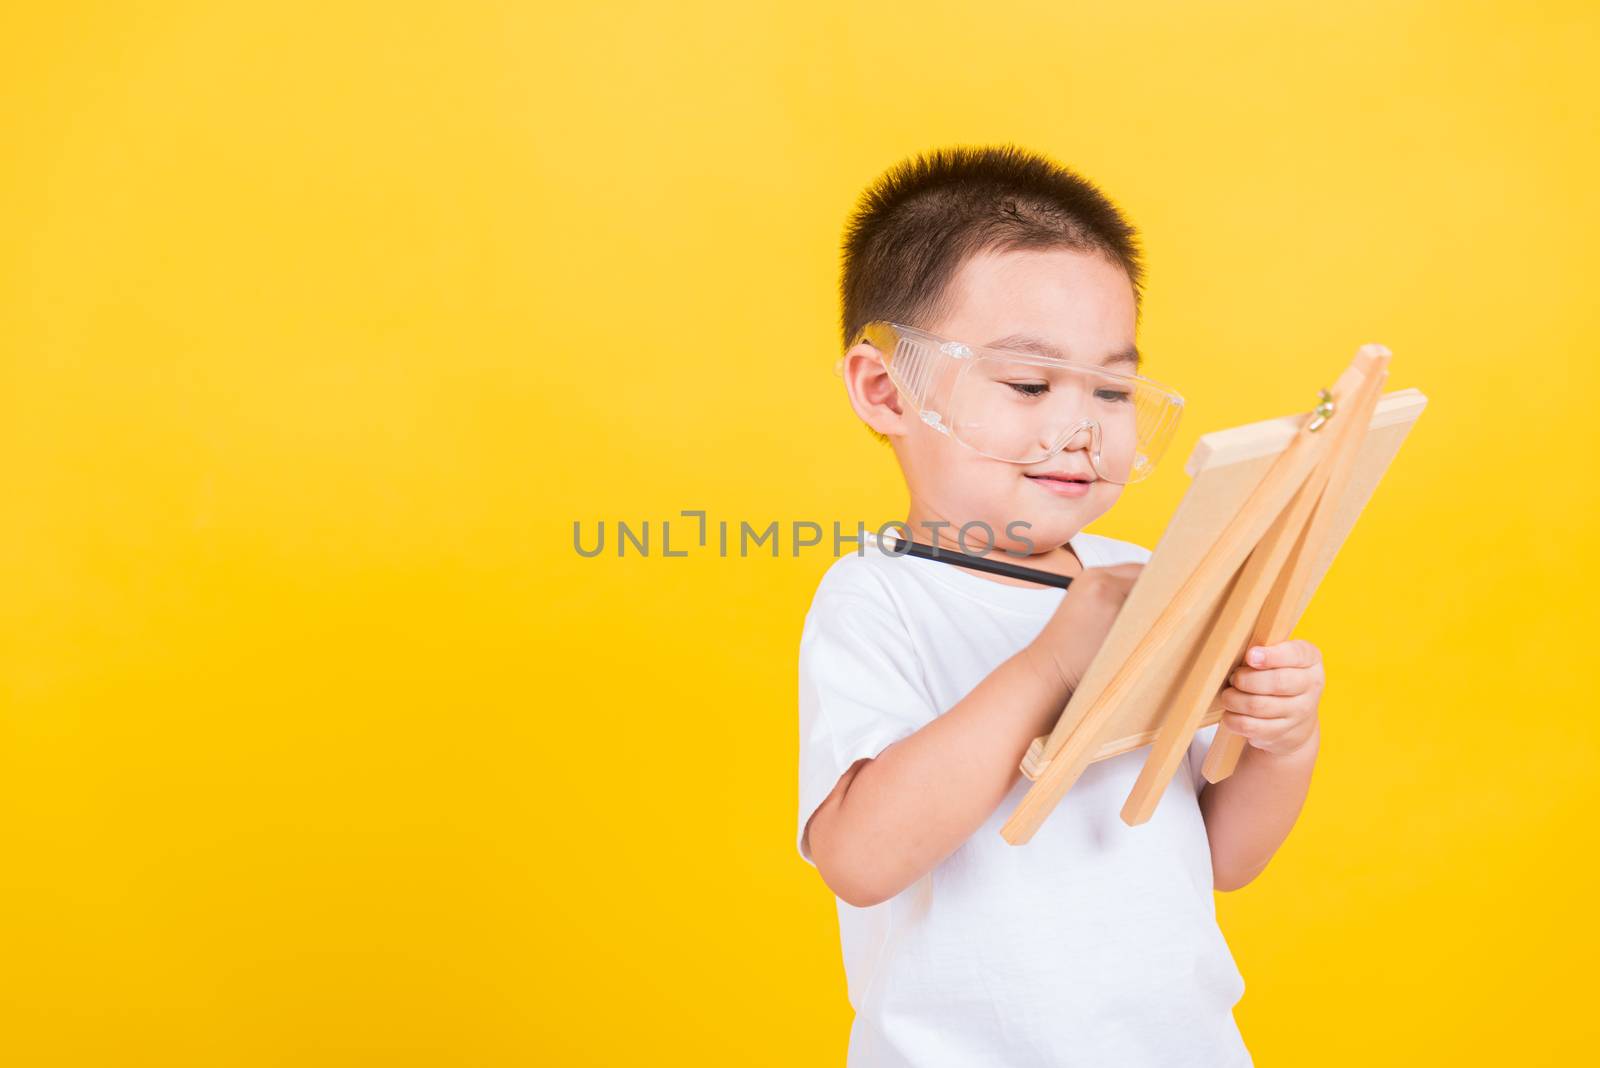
[{"x": 1261, "y": 568}]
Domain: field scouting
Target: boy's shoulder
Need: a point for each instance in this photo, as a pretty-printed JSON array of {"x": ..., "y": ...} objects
[{"x": 867, "y": 573}]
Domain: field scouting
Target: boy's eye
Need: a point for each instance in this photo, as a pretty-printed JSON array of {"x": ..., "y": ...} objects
[{"x": 1034, "y": 389}]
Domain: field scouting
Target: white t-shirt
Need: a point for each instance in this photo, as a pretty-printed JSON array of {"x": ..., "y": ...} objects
[{"x": 1094, "y": 944}]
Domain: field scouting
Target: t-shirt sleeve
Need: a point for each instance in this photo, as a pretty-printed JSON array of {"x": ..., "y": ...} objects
[{"x": 861, "y": 690}]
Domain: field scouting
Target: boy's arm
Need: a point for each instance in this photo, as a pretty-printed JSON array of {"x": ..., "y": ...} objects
[
  {"x": 1250, "y": 813},
  {"x": 1273, "y": 704},
  {"x": 893, "y": 818}
]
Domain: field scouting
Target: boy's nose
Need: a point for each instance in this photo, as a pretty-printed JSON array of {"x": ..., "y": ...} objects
[{"x": 1081, "y": 437}]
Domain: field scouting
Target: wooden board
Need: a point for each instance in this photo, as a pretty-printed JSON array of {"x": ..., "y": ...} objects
[{"x": 1226, "y": 465}]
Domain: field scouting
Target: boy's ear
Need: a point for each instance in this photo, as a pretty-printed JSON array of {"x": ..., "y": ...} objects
[{"x": 872, "y": 394}]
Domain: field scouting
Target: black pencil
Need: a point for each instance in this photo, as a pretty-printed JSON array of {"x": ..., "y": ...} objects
[{"x": 981, "y": 563}]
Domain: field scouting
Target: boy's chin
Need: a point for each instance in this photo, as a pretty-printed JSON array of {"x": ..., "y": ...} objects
[
  {"x": 1051, "y": 534},
  {"x": 1056, "y": 523}
]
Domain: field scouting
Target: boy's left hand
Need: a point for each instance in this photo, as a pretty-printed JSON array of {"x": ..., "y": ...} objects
[{"x": 1272, "y": 702}]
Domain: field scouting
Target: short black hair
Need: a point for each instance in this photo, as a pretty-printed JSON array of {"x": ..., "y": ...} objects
[{"x": 915, "y": 226}]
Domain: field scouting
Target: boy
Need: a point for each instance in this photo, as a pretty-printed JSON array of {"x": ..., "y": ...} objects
[{"x": 922, "y": 683}]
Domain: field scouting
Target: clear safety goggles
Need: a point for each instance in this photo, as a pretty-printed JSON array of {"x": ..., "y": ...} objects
[{"x": 1023, "y": 408}]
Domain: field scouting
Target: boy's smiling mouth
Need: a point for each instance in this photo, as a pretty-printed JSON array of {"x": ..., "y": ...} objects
[{"x": 1063, "y": 483}]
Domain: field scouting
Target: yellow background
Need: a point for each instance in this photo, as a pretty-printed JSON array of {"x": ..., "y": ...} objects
[{"x": 322, "y": 324}]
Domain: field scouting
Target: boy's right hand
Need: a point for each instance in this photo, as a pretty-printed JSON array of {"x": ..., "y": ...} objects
[{"x": 1075, "y": 633}]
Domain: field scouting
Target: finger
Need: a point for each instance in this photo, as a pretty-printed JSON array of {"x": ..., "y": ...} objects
[
  {"x": 1255, "y": 705},
  {"x": 1282, "y": 682},
  {"x": 1240, "y": 725},
  {"x": 1292, "y": 653},
  {"x": 1251, "y": 727},
  {"x": 1260, "y": 733}
]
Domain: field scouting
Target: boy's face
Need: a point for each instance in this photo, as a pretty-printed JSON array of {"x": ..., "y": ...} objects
[{"x": 1079, "y": 302}]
